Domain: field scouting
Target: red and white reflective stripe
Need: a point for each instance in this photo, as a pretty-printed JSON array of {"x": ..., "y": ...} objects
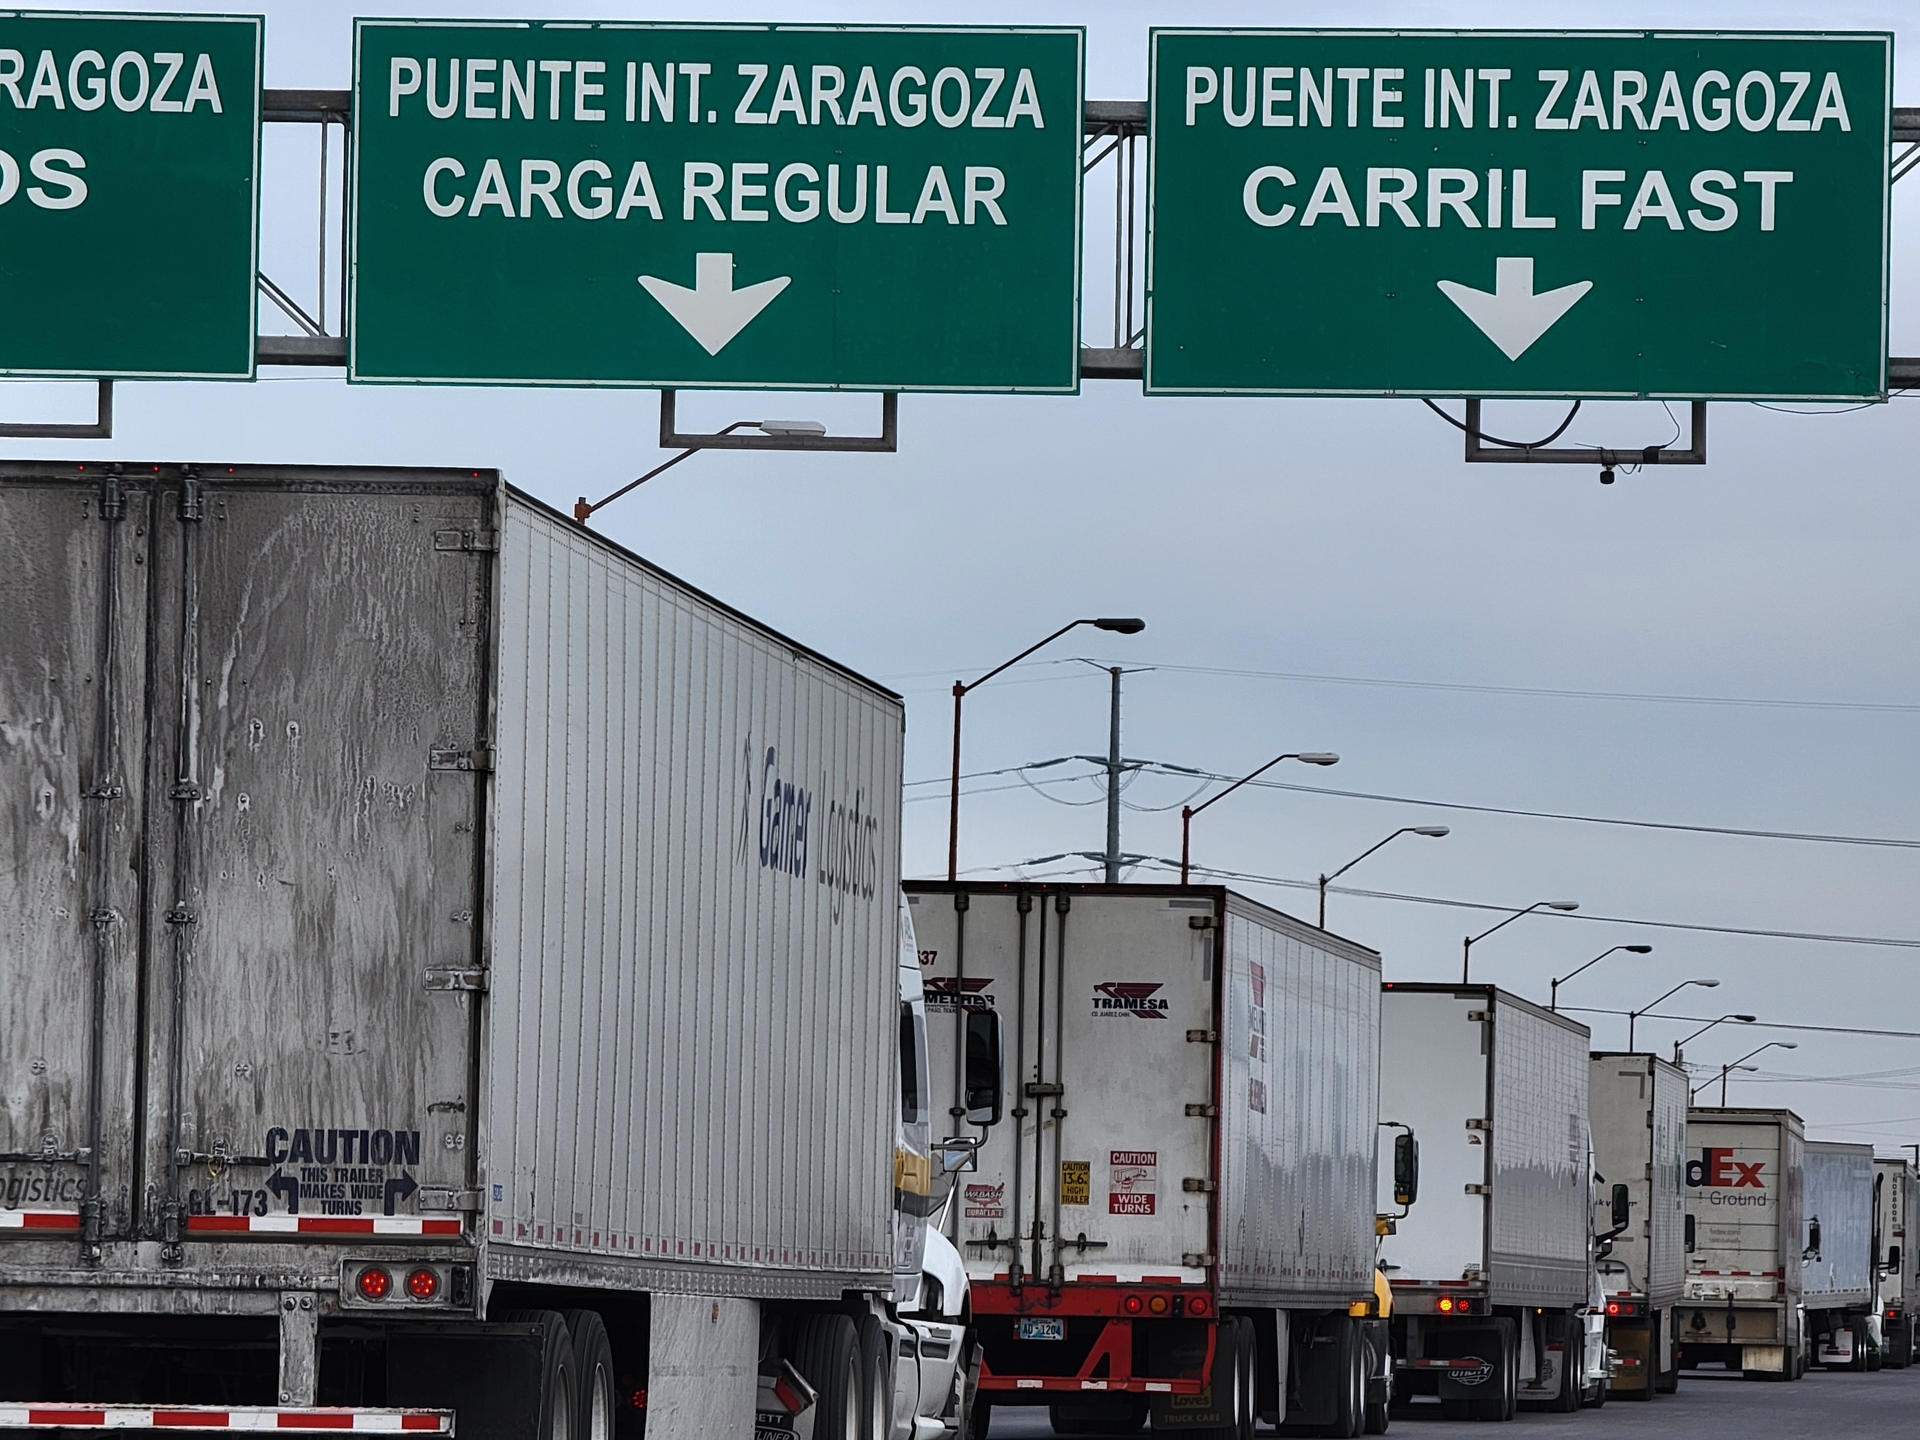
[
  {"x": 209, "y": 1417},
  {"x": 39, "y": 1220},
  {"x": 322, "y": 1225}
]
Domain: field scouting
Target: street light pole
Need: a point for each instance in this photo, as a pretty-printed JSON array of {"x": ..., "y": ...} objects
[
  {"x": 1187, "y": 812},
  {"x": 1435, "y": 831},
  {"x": 1740, "y": 1065},
  {"x": 1553, "y": 1001},
  {"x": 1689, "y": 1039},
  {"x": 583, "y": 508},
  {"x": 1633, "y": 1015},
  {"x": 1118, "y": 625},
  {"x": 1467, "y": 944}
]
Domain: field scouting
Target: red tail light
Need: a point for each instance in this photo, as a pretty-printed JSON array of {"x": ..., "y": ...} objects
[
  {"x": 1198, "y": 1305},
  {"x": 1133, "y": 1304},
  {"x": 373, "y": 1283},
  {"x": 423, "y": 1284},
  {"x": 1613, "y": 1307}
]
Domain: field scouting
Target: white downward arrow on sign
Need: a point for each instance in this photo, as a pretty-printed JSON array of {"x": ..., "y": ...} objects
[
  {"x": 1513, "y": 316},
  {"x": 713, "y": 312}
]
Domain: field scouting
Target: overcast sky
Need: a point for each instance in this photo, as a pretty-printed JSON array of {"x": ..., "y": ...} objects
[{"x": 1303, "y": 538}]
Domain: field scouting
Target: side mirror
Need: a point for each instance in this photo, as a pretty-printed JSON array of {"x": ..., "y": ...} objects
[
  {"x": 1688, "y": 1228},
  {"x": 1813, "y": 1238},
  {"x": 1622, "y": 1208},
  {"x": 985, "y": 1098},
  {"x": 1406, "y": 1169},
  {"x": 957, "y": 1153},
  {"x": 1893, "y": 1260}
]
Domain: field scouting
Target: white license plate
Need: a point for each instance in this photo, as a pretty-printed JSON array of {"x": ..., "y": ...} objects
[{"x": 1043, "y": 1329}]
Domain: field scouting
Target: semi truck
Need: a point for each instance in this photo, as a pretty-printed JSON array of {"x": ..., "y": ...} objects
[
  {"x": 1494, "y": 1287},
  {"x": 1840, "y": 1257},
  {"x": 454, "y": 973},
  {"x": 1176, "y": 1218},
  {"x": 1897, "y": 1190},
  {"x": 1745, "y": 1210},
  {"x": 1638, "y": 1106}
]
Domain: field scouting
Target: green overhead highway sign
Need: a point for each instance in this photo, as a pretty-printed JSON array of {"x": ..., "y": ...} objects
[
  {"x": 766, "y": 206},
  {"x": 129, "y": 161},
  {"x": 1518, "y": 213}
]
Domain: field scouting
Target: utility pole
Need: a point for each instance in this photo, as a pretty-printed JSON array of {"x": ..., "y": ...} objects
[{"x": 1113, "y": 782}]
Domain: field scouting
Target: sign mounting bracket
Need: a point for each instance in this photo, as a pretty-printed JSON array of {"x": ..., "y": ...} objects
[
  {"x": 100, "y": 428},
  {"x": 1480, "y": 452},
  {"x": 885, "y": 443}
]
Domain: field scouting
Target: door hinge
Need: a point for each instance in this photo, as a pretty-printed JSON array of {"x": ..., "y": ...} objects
[
  {"x": 1476, "y": 1123},
  {"x": 474, "y": 542},
  {"x": 1203, "y": 1110},
  {"x": 478, "y": 760},
  {"x": 444, "y": 1199},
  {"x": 456, "y": 980},
  {"x": 1479, "y": 1190},
  {"x": 1197, "y": 1260},
  {"x": 1474, "y": 1016},
  {"x": 1203, "y": 1037},
  {"x": 1200, "y": 922},
  {"x": 1036, "y": 1089},
  {"x": 1194, "y": 1185}
]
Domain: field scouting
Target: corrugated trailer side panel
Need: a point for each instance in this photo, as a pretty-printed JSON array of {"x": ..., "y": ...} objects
[
  {"x": 1666, "y": 1229},
  {"x": 1840, "y": 1195},
  {"x": 1298, "y": 1110},
  {"x": 696, "y": 829},
  {"x": 1540, "y": 1229}
]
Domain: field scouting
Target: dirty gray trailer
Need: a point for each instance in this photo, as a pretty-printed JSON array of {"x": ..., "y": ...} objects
[{"x": 396, "y": 877}]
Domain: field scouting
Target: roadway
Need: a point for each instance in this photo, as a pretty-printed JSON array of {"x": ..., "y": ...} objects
[{"x": 1708, "y": 1406}]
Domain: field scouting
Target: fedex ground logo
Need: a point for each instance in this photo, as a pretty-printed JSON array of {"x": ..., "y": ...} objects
[
  {"x": 1116, "y": 999},
  {"x": 1716, "y": 1171}
]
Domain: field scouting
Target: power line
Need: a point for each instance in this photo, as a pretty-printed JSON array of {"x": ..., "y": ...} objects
[
  {"x": 1815, "y": 936},
  {"x": 1544, "y": 692},
  {"x": 1810, "y": 837},
  {"x": 1757, "y": 1024}
]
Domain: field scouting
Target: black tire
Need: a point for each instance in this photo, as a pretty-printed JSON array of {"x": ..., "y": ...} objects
[
  {"x": 1573, "y": 1366},
  {"x": 1119, "y": 1415},
  {"x": 1349, "y": 1370},
  {"x": 1509, "y": 1401},
  {"x": 1246, "y": 1379},
  {"x": 979, "y": 1418},
  {"x": 876, "y": 1380},
  {"x": 597, "y": 1410},
  {"x": 1456, "y": 1410},
  {"x": 1076, "y": 1419},
  {"x": 826, "y": 1350},
  {"x": 559, "y": 1390},
  {"x": 1372, "y": 1341}
]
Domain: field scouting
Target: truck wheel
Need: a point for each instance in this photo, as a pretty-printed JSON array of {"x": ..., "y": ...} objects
[
  {"x": 1349, "y": 1372},
  {"x": 1378, "y": 1356},
  {"x": 979, "y": 1418},
  {"x": 1507, "y": 1404},
  {"x": 876, "y": 1379},
  {"x": 1573, "y": 1366},
  {"x": 826, "y": 1350},
  {"x": 593, "y": 1375},
  {"x": 559, "y": 1392}
]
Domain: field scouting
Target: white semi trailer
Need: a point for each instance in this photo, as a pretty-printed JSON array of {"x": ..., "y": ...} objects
[
  {"x": 1494, "y": 1290},
  {"x": 1896, "y": 1192},
  {"x": 1176, "y": 1216},
  {"x": 452, "y": 973},
  {"x": 1745, "y": 1214},
  {"x": 1838, "y": 1263},
  {"x": 1638, "y": 1104}
]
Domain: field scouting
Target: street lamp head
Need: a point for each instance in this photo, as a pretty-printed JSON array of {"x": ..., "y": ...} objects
[
  {"x": 1318, "y": 758},
  {"x": 1744, "y": 1019},
  {"x": 1123, "y": 625},
  {"x": 1638, "y": 949},
  {"x": 1788, "y": 1044},
  {"x": 790, "y": 427},
  {"x": 1563, "y": 904},
  {"x": 1704, "y": 984},
  {"x": 1436, "y": 831}
]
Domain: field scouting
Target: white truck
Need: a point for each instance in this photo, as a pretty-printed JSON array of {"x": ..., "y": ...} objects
[
  {"x": 1638, "y": 1106},
  {"x": 1176, "y": 1216},
  {"x": 1495, "y": 1299},
  {"x": 1839, "y": 1264},
  {"x": 1896, "y": 1192},
  {"x": 1745, "y": 1209},
  {"x": 453, "y": 972}
]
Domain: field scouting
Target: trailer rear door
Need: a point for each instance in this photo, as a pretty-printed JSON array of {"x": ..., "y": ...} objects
[
  {"x": 1104, "y": 1167},
  {"x": 314, "y": 771}
]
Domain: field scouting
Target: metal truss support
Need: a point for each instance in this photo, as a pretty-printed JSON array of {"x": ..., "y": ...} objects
[
  {"x": 101, "y": 427},
  {"x": 1482, "y": 450},
  {"x": 780, "y": 437}
]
